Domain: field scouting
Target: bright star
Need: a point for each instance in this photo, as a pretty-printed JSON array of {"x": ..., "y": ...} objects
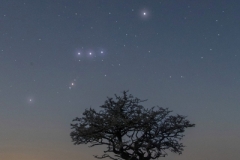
[{"x": 145, "y": 13}]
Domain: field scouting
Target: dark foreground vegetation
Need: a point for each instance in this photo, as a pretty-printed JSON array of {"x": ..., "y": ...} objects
[{"x": 130, "y": 131}]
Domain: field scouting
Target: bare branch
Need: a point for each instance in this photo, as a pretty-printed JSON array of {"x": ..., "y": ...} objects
[{"x": 129, "y": 130}]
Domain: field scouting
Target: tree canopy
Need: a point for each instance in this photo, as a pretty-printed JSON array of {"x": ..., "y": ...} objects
[{"x": 130, "y": 131}]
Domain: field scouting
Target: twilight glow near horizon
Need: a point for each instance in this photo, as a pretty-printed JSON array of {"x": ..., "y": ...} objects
[{"x": 60, "y": 57}]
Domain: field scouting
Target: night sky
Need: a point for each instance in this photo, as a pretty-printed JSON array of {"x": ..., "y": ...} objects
[{"x": 60, "y": 57}]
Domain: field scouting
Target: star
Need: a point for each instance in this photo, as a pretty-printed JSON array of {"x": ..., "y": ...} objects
[
  {"x": 145, "y": 13},
  {"x": 30, "y": 100}
]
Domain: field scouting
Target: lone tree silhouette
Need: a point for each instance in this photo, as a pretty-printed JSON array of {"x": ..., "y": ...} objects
[{"x": 130, "y": 131}]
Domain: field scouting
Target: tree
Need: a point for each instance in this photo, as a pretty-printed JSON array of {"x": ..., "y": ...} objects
[{"x": 130, "y": 131}]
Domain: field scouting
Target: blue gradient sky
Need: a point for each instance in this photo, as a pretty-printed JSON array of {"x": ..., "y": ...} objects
[{"x": 183, "y": 54}]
